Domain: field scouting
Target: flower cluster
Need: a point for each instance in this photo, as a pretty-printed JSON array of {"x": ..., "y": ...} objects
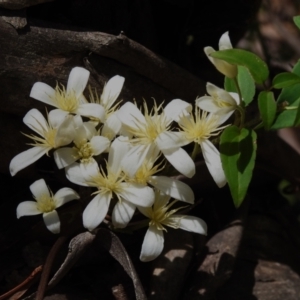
[{"x": 135, "y": 143}]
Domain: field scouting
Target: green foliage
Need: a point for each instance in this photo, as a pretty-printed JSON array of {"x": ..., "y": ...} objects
[
  {"x": 238, "y": 152},
  {"x": 252, "y": 62},
  {"x": 267, "y": 107},
  {"x": 285, "y": 79},
  {"x": 245, "y": 82},
  {"x": 296, "y": 20}
]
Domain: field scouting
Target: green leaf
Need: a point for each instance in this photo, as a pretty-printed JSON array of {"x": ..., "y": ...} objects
[
  {"x": 285, "y": 79},
  {"x": 290, "y": 94},
  {"x": 246, "y": 84},
  {"x": 267, "y": 107},
  {"x": 287, "y": 118},
  {"x": 238, "y": 152},
  {"x": 256, "y": 66},
  {"x": 296, "y": 20}
]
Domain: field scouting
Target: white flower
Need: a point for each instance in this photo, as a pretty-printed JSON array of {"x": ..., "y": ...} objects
[
  {"x": 219, "y": 102},
  {"x": 127, "y": 194},
  {"x": 169, "y": 186},
  {"x": 152, "y": 133},
  {"x": 70, "y": 99},
  {"x": 160, "y": 216},
  {"x": 222, "y": 66},
  {"x": 199, "y": 129},
  {"x": 56, "y": 132},
  {"x": 110, "y": 93},
  {"x": 87, "y": 144},
  {"x": 46, "y": 204}
]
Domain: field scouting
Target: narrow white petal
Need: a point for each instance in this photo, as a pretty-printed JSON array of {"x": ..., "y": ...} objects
[
  {"x": 224, "y": 42},
  {"x": 26, "y": 158},
  {"x": 174, "y": 188},
  {"x": 65, "y": 195},
  {"x": 99, "y": 144},
  {"x": 111, "y": 127},
  {"x": 91, "y": 110},
  {"x": 135, "y": 158},
  {"x": 122, "y": 213},
  {"x": 90, "y": 130},
  {"x": 39, "y": 189},
  {"x": 65, "y": 156},
  {"x": 112, "y": 90},
  {"x": 27, "y": 208},
  {"x": 52, "y": 222},
  {"x": 161, "y": 200},
  {"x": 223, "y": 117},
  {"x": 171, "y": 140},
  {"x": 137, "y": 194},
  {"x": 153, "y": 244},
  {"x": 223, "y": 95},
  {"x": 43, "y": 92},
  {"x": 177, "y": 108},
  {"x": 236, "y": 97},
  {"x": 77, "y": 80},
  {"x": 129, "y": 114},
  {"x": 35, "y": 121},
  {"x": 89, "y": 171},
  {"x": 192, "y": 224},
  {"x": 118, "y": 150},
  {"x": 208, "y": 50},
  {"x": 56, "y": 117},
  {"x": 75, "y": 175},
  {"x": 96, "y": 211},
  {"x": 213, "y": 161},
  {"x": 181, "y": 161},
  {"x": 65, "y": 132},
  {"x": 206, "y": 103}
]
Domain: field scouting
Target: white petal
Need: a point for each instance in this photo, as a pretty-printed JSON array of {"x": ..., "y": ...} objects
[
  {"x": 213, "y": 90},
  {"x": 146, "y": 211},
  {"x": 39, "y": 189},
  {"x": 96, "y": 211},
  {"x": 213, "y": 161},
  {"x": 75, "y": 175},
  {"x": 77, "y": 80},
  {"x": 65, "y": 156},
  {"x": 43, "y": 92},
  {"x": 122, "y": 213},
  {"x": 26, "y": 158},
  {"x": 118, "y": 150},
  {"x": 177, "y": 108},
  {"x": 161, "y": 200},
  {"x": 99, "y": 144},
  {"x": 153, "y": 244},
  {"x": 224, "y": 42},
  {"x": 90, "y": 130},
  {"x": 52, "y": 222},
  {"x": 112, "y": 90},
  {"x": 91, "y": 110},
  {"x": 174, "y": 188},
  {"x": 192, "y": 224},
  {"x": 65, "y": 132},
  {"x": 137, "y": 194},
  {"x": 111, "y": 127},
  {"x": 181, "y": 161},
  {"x": 135, "y": 158},
  {"x": 89, "y": 171},
  {"x": 27, "y": 208},
  {"x": 129, "y": 114},
  {"x": 224, "y": 116},
  {"x": 65, "y": 195},
  {"x": 236, "y": 97},
  {"x": 35, "y": 121},
  {"x": 56, "y": 117},
  {"x": 206, "y": 103},
  {"x": 171, "y": 140}
]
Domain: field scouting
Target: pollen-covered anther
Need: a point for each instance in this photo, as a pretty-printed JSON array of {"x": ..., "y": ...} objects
[{"x": 45, "y": 203}]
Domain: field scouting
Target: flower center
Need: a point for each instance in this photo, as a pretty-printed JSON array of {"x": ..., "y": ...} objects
[
  {"x": 84, "y": 151},
  {"x": 64, "y": 100},
  {"x": 45, "y": 203}
]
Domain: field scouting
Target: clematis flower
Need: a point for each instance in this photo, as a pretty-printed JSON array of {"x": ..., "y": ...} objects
[
  {"x": 160, "y": 216},
  {"x": 112, "y": 183},
  {"x": 70, "y": 99},
  {"x": 219, "y": 102},
  {"x": 199, "y": 129},
  {"x": 222, "y": 66},
  {"x": 170, "y": 186},
  {"x": 56, "y": 132},
  {"x": 151, "y": 133},
  {"x": 110, "y": 93},
  {"x": 46, "y": 203},
  {"x": 87, "y": 145}
]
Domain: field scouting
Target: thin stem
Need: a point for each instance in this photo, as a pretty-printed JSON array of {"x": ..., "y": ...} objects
[{"x": 196, "y": 150}]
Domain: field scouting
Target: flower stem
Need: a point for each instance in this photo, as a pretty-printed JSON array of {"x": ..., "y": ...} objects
[{"x": 196, "y": 150}]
